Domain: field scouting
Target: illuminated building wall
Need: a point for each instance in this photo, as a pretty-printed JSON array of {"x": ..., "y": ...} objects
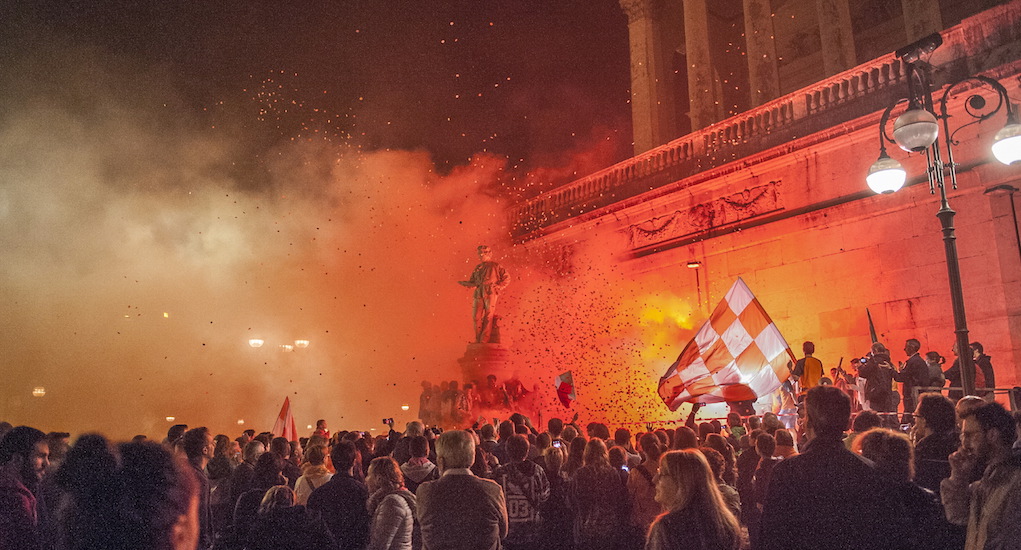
[{"x": 776, "y": 194}]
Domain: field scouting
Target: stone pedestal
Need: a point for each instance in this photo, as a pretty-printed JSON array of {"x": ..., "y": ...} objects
[{"x": 481, "y": 360}]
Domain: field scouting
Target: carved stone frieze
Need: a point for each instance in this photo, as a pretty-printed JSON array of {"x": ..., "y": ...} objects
[{"x": 703, "y": 217}]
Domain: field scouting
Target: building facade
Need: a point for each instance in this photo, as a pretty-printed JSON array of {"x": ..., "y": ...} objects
[{"x": 751, "y": 163}]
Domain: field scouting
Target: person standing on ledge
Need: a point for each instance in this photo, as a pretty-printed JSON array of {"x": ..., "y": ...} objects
[
  {"x": 808, "y": 370},
  {"x": 488, "y": 279}
]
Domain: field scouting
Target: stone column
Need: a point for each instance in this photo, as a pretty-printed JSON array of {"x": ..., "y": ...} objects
[
  {"x": 921, "y": 18},
  {"x": 703, "y": 89},
  {"x": 763, "y": 75},
  {"x": 836, "y": 36},
  {"x": 653, "y": 113}
]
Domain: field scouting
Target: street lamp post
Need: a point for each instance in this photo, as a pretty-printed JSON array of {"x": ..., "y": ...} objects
[
  {"x": 695, "y": 265},
  {"x": 917, "y": 130}
]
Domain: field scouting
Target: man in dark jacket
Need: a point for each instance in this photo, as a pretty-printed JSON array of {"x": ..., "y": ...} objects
[
  {"x": 242, "y": 476},
  {"x": 460, "y": 510},
  {"x": 282, "y": 448},
  {"x": 878, "y": 374},
  {"x": 341, "y": 500},
  {"x": 915, "y": 373},
  {"x": 936, "y": 437},
  {"x": 827, "y": 496}
]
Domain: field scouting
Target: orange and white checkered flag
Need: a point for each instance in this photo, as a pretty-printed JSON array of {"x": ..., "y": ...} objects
[{"x": 737, "y": 355}]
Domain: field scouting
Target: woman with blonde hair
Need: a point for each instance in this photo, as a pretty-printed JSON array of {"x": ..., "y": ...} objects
[
  {"x": 277, "y": 496},
  {"x": 314, "y": 474},
  {"x": 696, "y": 516},
  {"x": 391, "y": 506}
]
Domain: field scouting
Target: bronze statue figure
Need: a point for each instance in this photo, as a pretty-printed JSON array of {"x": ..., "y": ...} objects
[{"x": 489, "y": 279}]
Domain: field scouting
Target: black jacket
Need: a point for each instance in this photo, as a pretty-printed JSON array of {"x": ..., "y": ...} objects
[
  {"x": 341, "y": 501},
  {"x": 915, "y": 374},
  {"x": 826, "y": 497},
  {"x": 932, "y": 464},
  {"x": 879, "y": 382}
]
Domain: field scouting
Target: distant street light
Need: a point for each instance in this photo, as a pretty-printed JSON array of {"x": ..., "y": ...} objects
[{"x": 300, "y": 344}]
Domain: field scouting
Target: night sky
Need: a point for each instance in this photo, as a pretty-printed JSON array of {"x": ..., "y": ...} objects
[{"x": 536, "y": 82}]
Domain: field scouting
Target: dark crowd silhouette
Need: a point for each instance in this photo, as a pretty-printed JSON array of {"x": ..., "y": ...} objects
[{"x": 951, "y": 479}]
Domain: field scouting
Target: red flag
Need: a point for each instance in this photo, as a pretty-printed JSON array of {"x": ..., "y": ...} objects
[
  {"x": 737, "y": 355},
  {"x": 565, "y": 388},
  {"x": 284, "y": 426}
]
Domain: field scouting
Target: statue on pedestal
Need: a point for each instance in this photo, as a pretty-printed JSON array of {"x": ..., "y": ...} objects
[{"x": 489, "y": 279}]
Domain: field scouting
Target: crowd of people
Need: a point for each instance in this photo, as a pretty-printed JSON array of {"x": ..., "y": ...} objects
[
  {"x": 836, "y": 481},
  {"x": 455, "y": 404},
  {"x": 872, "y": 380}
]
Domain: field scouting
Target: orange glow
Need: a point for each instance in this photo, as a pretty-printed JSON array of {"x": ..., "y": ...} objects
[{"x": 616, "y": 331}]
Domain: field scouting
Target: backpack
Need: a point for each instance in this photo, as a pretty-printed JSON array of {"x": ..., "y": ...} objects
[{"x": 936, "y": 377}]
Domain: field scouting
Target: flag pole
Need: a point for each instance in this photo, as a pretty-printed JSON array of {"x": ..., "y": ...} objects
[{"x": 872, "y": 327}]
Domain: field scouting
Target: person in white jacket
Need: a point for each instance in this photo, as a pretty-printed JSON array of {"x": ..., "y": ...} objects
[{"x": 392, "y": 508}]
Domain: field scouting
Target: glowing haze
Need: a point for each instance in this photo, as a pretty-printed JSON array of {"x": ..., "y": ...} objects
[
  {"x": 144, "y": 245},
  {"x": 136, "y": 266}
]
